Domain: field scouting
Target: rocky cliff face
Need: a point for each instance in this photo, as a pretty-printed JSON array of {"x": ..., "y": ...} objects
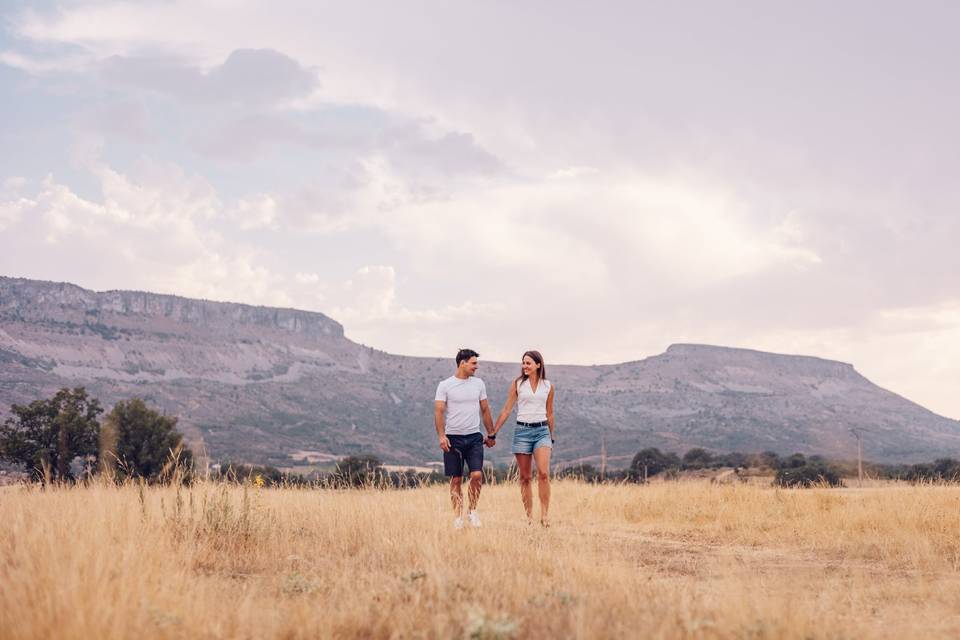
[
  {"x": 44, "y": 302},
  {"x": 281, "y": 386}
]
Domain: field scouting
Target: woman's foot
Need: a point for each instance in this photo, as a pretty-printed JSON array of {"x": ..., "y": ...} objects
[{"x": 545, "y": 522}]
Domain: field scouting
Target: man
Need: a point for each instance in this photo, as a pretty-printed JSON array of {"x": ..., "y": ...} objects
[{"x": 460, "y": 401}]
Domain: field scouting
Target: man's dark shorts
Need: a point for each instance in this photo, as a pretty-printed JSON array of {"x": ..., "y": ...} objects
[{"x": 467, "y": 449}]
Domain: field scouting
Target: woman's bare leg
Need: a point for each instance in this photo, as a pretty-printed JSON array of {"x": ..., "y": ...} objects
[
  {"x": 525, "y": 466},
  {"x": 542, "y": 456}
]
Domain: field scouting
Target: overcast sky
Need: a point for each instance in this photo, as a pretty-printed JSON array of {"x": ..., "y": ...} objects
[{"x": 594, "y": 182}]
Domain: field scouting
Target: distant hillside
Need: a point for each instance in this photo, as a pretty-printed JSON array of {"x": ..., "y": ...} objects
[{"x": 278, "y": 385}]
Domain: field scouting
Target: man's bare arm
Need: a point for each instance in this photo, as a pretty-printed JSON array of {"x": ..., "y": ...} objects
[
  {"x": 439, "y": 409},
  {"x": 487, "y": 419}
]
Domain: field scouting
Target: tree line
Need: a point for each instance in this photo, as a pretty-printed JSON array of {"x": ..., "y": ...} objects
[
  {"x": 62, "y": 439},
  {"x": 796, "y": 470},
  {"x": 649, "y": 463}
]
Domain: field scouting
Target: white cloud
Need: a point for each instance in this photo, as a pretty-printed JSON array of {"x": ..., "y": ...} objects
[
  {"x": 307, "y": 278},
  {"x": 255, "y": 212},
  {"x": 43, "y": 65},
  {"x": 371, "y": 295},
  {"x": 593, "y": 234},
  {"x": 10, "y": 213},
  {"x": 568, "y": 173},
  {"x": 11, "y": 205},
  {"x": 147, "y": 232},
  {"x": 247, "y": 76}
]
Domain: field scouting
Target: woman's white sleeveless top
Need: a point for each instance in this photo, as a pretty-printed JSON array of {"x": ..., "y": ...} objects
[{"x": 532, "y": 407}]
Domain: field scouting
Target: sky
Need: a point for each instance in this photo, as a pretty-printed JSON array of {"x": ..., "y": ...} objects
[{"x": 596, "y": 182}]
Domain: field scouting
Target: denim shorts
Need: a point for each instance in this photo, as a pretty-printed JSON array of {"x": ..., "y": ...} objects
[
  {"x": 467, "y": 449},
  {"x": 528, "y": 439}
]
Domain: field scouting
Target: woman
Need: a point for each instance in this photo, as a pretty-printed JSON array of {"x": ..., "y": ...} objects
[{"x": 533, "y": 437}]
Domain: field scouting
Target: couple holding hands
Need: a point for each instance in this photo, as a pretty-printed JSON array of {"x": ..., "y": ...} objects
[{"x": 460, "y": 403}]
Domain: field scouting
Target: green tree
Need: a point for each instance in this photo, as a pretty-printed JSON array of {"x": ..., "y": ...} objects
[
  {"x": 655, "y": 462},
  {"x": 697, "y": 458},
  {"x": 732, "y": 459},
  {"x": 922, "y": 472},
  {"x": 795, "y": 461},
  {"x": 940, "y": 470},
  {"x": 139, "y": 442},
  {"x": 947, "y": 469},
  {"x": 358, "y": 470},
  {"x": 47, "y": 435},
  {"x": 768, "y": 459},
  {"x": 807, "y": 475},
  {"x": 583, "y": 472}
]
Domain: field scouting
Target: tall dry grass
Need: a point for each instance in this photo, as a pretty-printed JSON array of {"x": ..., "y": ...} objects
[{"x": 673, "y": 560}]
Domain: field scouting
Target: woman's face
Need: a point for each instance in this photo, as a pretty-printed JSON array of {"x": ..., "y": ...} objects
[{"x": 529, "y": 366}]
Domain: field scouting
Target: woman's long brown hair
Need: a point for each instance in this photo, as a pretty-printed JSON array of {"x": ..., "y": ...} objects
[{"x": 536, "y": 357}]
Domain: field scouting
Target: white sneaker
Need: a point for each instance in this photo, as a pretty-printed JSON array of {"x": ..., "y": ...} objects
[
  {"x": 458, "y": 523},
  {"x": 474, "y": 519}
]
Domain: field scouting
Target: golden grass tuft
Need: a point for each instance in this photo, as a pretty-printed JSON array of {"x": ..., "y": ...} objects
[{"x": 671, "y": 560}]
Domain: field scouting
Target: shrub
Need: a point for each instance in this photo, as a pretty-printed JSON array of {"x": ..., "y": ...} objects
[
  {"x": 655, "y": 462},
  {"x": 358, "y": 471},
  {"x": 584, "y": 472},
  {"x": 795, "y": 461},
  {"x": 941, "y": 470},
  {"x": 697, "y": 458},
  {"x": 807, "y": 475},
  {"x": 267, "y": 475}
]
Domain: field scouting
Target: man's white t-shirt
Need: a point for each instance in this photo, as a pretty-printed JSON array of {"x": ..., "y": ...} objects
[{"x": 463, "y": 404}]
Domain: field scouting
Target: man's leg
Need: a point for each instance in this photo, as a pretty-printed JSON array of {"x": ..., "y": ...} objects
[
  {"x": 453, "y": 468},
  {"x": 476, "y": 480},
  {"x": 456, "y": 495},
  {"x": 474, "y": 458}
]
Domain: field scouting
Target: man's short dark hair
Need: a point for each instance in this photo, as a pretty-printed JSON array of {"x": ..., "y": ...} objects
[{"x": 466, "y": 354}]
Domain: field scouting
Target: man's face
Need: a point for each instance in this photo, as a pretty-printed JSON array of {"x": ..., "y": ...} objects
[{"x": 469, "y": 367}]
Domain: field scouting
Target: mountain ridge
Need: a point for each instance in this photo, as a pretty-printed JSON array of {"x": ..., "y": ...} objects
[
  {"x": 144, "y": 302},
  {"x": 266, "y": 384}
]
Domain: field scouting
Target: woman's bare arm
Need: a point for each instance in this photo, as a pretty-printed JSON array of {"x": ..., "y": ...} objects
[
  {"x": 550, "y": 411},
  {"x": 507, "y": 407}
]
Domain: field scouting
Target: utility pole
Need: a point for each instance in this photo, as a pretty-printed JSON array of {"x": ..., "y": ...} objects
[
  {"x": 858, "y": 434},
  {"x": 603, "y": 457}
]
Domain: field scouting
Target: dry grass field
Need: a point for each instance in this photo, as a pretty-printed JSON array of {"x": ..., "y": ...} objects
[{"x": 671, "y": 560}]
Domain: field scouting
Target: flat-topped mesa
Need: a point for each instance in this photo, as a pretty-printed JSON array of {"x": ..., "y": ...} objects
[
  {"x": 37, "y": 301},
  {"x": 733, "y": 356}
]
